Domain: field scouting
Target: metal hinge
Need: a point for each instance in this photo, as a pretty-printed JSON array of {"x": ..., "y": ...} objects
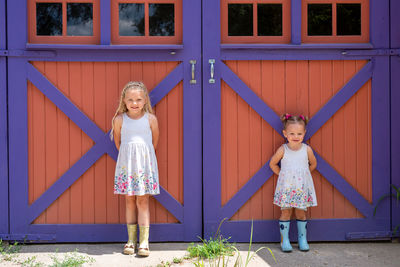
[
  {"x": 372, "y": 52},
  {"x": 28, "y": 237},
  {"x": 369, "y": 235},
  {"x": 26, "y": 53}
]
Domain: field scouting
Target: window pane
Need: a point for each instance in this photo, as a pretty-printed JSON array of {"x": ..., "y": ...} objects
[
  {"x": 161, "y": 19},
  {"x": 79, "y": 19},
  {"x": 131, "y": 19},
  {"x": 49, "y": 19},
  {"x": 240, "y": 19},
  {"x": 269, "y": 19},
  {"x": 348, "y": 19},
  {"x": 319, "y": 19}
]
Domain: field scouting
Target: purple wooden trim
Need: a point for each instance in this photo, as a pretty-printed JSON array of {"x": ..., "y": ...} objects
[
  {"x": 380, "y": 96},
  {"x": 64, "y": 104},
  {"x": 338, "y": 100},
  {"x": 17, "y": 141},
  {"x": 395, "y": 129},
  {"x": 379, "y": 23},
  {"x": 250, "y": 97},
  {"x": 317, "y": 230},
  {"x": 297, "y": 46},
  {"x": 67, "y": 179},
  {"x": 211, "y": 117},
  {"x": 394, "y": 24},
  {"x": 17, "y": 24},
  {"x": 192, "y": 121},
  {"x": 332, "y": 176},
  {"x": 4, "y": 227},
  {"x": 295, "y": 20},
  {"x": 105, "y": 22},
  {"x": 105, "y": 232},
  {"x": 102, "y": 47},
  {"x": 113, "y": 55},
  {"x": 246, "y": 192},
  {"x": 170, "y": 203},
  {"x": 167, "y": 84}
]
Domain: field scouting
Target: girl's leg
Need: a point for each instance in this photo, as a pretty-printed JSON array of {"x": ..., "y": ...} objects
[
  {"x": 142, "y": 203},
  {"x": 302, "y": 229},
  {"x": 131, "y": 223},
  {"x": 284, "y": 226}
]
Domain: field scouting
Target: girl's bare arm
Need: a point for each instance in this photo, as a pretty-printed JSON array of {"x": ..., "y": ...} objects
[
  {"x": 154, "y": 129},
  {"x": 117, "y": 130},
  {"x": 311, "y": 159},
  {"x": 273, "y": 163}
]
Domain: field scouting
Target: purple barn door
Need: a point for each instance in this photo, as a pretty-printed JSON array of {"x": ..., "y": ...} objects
[
  {"x": 219, "y": 73},
  {"x": 3, "y": 124},
  {"x": 395, "y": 100},
  {"x": 25, "y": 73}
]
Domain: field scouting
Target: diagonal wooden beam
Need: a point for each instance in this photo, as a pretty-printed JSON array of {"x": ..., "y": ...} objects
[
  {"x": 338, "y": 100},
  {"x": 64, "y": 104},
  {"x": 166, "y": 85}
]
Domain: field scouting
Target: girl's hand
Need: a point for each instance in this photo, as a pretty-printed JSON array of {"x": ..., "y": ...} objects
[
  {"x": 273, "y": 163},
  {"x": 154, "y": 129},
  {"x": 311, "y": 159},
  {"x": 117, "y": 130}
]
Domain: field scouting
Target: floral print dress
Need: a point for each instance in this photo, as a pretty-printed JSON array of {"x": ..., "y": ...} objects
[
  {"x": 295, "y": 187},
  {"x": 136, "y": 172}
]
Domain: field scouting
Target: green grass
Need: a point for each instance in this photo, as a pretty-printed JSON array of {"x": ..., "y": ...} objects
[{"x": 71, "y": 259}]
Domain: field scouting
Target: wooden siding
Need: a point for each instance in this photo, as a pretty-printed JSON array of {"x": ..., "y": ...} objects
[
  {"x": 297, "y": 87},
  {"x": 56, "y": 143}
]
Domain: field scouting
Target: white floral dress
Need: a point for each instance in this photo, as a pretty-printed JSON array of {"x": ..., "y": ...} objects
[
  {"x": 136, "y": 172},
  {"x": 295, "y": 187}
]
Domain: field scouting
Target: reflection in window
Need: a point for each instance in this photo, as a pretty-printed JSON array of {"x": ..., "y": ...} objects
[
  {"x": 161, "y": 20},
  {"x": 131, "y": 19},
  {"x": 319, "y": 20},
  {"x": 348, "y": 19},
  {"x": 240, "y": 19},
  {"x": 49, "y": 19},
  {"x": 79, "y": 19},
  {"x": 269, "y": 19}
]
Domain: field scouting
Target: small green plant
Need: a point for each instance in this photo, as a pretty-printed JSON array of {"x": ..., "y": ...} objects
[
  {"x": 177, "y": 260},
  {"x": 214, "y": 247},
  {"x": 395, "y": 194},
  {"x": 30, "y": 262},
  {"x": 164, "y": 264},
  {"x": 71, "y": 259},
  {"x": 8, "y": 252}
]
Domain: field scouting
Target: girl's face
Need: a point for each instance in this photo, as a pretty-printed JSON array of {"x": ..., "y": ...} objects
[
  {"x": 134, "y": 101},
  {"x": 294, "y": 133}
]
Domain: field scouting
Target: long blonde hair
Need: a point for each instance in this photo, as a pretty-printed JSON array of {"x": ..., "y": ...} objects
[{"x": 137, "y": 86}]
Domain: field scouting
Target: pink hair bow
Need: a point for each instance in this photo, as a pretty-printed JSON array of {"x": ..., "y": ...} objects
[
  {"x": 288, "y": 116},
  {"x": 302, "y": 117}
]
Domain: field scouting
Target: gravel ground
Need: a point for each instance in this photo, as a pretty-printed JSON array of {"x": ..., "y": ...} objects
[{"x": 320, "y": 254}]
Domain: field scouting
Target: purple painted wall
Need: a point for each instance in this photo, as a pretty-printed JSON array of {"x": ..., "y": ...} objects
[
  {"x": 395, "y": 100},
  {"x": 3, "y": 126}
]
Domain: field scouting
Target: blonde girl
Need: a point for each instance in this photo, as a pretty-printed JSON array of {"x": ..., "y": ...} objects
[
  {"x": 295, "y": 187},
  {"x": 135, "y": 133}
]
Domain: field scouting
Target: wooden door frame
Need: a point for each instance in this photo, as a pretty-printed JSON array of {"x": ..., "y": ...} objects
[
  {"x": 377, "y": 69},
  {"x": 4, "y": 208},
  {"x": 21, "y": 71},
  {"x": 395, "y": 100}
]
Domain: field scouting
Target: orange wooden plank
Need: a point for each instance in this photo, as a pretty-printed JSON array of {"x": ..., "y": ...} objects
[
  {"x": 75, "y": 79},
  {"x": 51, "y": 143},
  {"x": 100, "y": 182},
  {"x": 88, "y": 177}
]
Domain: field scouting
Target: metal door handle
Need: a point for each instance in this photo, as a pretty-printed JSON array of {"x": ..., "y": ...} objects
[
  {"x": 211, "y": 80},
  {"x": 193, "y": 62}
]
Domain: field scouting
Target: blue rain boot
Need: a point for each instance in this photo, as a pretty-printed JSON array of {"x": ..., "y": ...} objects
[
  {"x": 302, "y": 235},
  {"x": 284, "y": 229}
]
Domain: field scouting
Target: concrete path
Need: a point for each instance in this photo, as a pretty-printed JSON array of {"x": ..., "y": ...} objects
[{"x": 321, "y": 254}]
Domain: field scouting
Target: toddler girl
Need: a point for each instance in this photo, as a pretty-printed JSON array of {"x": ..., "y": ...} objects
[
  {"x": 135, "y": 132},
  {"x": 295, "y": 188}
]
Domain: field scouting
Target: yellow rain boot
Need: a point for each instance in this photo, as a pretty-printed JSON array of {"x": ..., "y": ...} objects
[
  {"x": 130, "y": 247},
  {"x": 144, "y": 241}
]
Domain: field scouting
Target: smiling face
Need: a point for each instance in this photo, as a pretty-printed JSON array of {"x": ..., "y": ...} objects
[
  {"x": 134, "y": 101},
  {"x": 294, "y": 133}
]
